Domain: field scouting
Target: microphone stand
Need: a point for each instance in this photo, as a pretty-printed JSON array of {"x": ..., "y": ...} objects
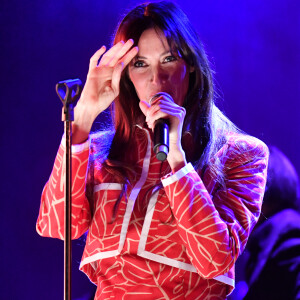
[{"x": 69, "y": 92}]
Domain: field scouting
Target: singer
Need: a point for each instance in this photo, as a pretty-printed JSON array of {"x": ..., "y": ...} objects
[{"x": 156, "y": 229}]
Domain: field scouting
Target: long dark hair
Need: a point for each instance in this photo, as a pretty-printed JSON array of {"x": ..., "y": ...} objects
[{"x": 204, "y": 122}]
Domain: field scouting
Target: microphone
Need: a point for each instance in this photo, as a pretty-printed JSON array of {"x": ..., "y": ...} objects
[{"x": 161, "y": 133}]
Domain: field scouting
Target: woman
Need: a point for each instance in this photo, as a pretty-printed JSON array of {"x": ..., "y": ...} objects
[{"x": 157, "y": 230}]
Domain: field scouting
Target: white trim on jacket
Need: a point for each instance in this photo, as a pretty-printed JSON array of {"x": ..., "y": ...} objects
[{"x": 148, "y": 219}]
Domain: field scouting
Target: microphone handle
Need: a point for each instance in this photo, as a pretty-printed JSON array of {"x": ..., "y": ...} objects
[{"x": 161, "y": 139}]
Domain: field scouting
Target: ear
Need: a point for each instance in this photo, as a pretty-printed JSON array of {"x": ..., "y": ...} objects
[{"x": 191, "y": 69}]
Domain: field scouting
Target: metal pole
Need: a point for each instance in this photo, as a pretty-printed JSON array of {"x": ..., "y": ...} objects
[
  {"x": 69, "y": 92},
  {"x": 68, "y": 213}
]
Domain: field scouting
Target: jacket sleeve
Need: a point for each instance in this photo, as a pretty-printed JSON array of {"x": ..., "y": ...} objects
[
  {"x": 50, "y": 221},
  {"x": 215, "y": 228}
]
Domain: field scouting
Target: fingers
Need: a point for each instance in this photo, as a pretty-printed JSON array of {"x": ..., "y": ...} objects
[
  {"x": 172, "y": 114},
  {"x": 95, "y": 58},
  {"x": 119, "y": 52},
  {"x": 130, "y": 55},
  {"x": 116, "y": 76},
  {"x": 165, "y": 109},
  {"x": 163, "y": 104},
  {"x": 110, "y": 54}
]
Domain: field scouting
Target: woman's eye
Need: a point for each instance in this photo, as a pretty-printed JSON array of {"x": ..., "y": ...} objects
[
  {"x": 170, "y": 58},
  {"x": 139, "y": 64}
]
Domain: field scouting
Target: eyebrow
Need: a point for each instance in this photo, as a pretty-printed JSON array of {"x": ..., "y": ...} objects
[{"x": 162, "y": 54}]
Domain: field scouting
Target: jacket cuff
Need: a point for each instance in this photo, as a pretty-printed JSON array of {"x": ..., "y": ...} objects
[
  {"x": 171, "y": 178},
  {"x": 78, "y": 147}
]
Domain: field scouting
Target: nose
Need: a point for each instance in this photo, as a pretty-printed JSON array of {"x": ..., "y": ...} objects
[{"x": 159, "y": 76}]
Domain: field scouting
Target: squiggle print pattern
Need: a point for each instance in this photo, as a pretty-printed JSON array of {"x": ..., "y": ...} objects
[{"x": 183, "y": 245}]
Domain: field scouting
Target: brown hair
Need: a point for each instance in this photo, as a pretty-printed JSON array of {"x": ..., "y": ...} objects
[{"x": 203, "y": 119}]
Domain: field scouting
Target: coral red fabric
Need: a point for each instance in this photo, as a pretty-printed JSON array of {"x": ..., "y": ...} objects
[{"x": 179, "y": 241}]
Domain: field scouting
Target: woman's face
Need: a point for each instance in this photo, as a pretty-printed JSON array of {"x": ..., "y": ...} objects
[{"x": 157, "y": 68}]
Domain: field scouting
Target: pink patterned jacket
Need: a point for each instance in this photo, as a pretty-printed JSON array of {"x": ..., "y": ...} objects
[{"x": 176, "y": 242}]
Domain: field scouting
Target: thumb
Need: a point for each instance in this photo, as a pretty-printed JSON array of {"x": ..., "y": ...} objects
[{"x": 144, "y": 106}]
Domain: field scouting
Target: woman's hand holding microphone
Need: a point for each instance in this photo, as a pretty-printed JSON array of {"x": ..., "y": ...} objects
[{"x": 163, "y": 107}]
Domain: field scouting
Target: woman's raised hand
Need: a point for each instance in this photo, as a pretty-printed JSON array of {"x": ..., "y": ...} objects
[{"x": 102, "y": 85}]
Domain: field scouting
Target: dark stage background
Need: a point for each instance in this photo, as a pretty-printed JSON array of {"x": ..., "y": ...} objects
[{"x": 253, "y": 44}]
